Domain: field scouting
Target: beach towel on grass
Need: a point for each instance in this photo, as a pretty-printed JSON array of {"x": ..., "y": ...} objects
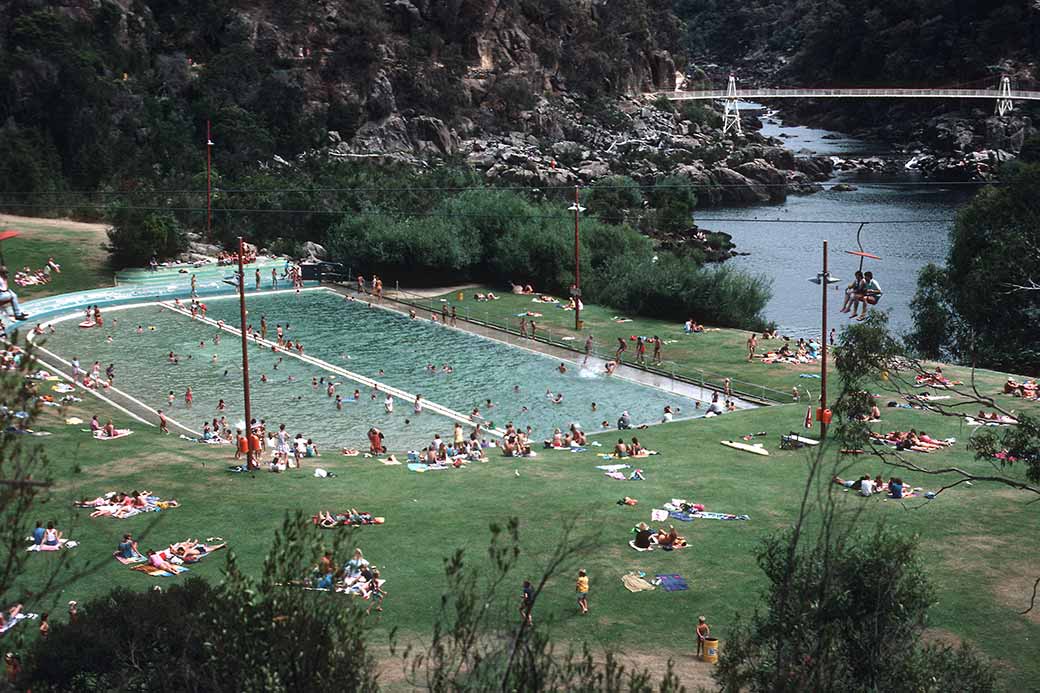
[
  {"x": 632, "y": 543},
  {"x": 207, "y": 550},
  {"x": 634, "y": 583},
  {"x": 673, "y": 583},
  {"x": 62, "y": 544},
  {"x": 658, "y": 515},
  {"x": 120, "y": 433},
  {"x": 704, "y": 515},
  {"x": 133, "y": 560},
  {"x": 149, "y": 569},
  {"x": 612, "y": 467},
  {"x": 11, "y": 623},
  {"x": 343, "y": 520}
]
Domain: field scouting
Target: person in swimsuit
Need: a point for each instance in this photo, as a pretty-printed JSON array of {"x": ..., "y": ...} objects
[{"x": 188, "y": 397}]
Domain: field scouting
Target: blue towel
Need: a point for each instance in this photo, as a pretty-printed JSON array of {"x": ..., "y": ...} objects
[
  {"x": 673, "y": 583},
  {"x": 681, "y": 516},
  {"x": 809, "y": 375}
]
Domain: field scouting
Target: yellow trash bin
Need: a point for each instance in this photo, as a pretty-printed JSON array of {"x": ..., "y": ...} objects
[{"x": 711, "y": 650}]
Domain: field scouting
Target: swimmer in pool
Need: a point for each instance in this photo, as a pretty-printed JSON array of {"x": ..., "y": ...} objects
[
  {"x": 221, "y": 406},
  {"x": 593, "y": 406},
  {"x": 417, "y": 406},
  {"x": 214, "y": 358},
  {"x": 263, "y": 377},
  {"x": 562, "y": 368},
  {"x": 357, "y": 395},
  {"x": 170, "y": 397},
  {"x": 188, "y": 397},
  {"x": 388, "y": 404},
  {"x": 339, "y": 403},
  {"x": 140, "y": 329}
]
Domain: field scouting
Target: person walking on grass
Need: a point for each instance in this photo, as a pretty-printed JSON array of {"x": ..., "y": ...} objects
[
  {"x": 454, "y": 316},
  {"x": 657, "y": 350},
  {"x": 526, "y": 603},
  {"x": 582, "y": 587},
  {"x": 752, "y": 345}
]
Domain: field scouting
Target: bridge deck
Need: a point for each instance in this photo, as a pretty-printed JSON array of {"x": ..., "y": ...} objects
[{"x": 755, "y": 94}]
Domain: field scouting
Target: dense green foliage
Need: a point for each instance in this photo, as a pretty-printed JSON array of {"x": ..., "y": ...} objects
[
  {"x": 137, "y": 235},
  {"x": 844, "y": 613},
  {"x": 866, "y": 42},
  {"x": 984, "y": 307},
  {"x": 497, "y": 236}
]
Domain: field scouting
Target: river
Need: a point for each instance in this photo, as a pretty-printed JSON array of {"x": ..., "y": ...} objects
[{"x": 910, "y": 220}]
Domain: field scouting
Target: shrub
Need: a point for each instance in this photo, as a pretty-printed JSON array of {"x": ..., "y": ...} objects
[
  {"x": 136, "y": 235},
  {"x": 611, "y": 198}
]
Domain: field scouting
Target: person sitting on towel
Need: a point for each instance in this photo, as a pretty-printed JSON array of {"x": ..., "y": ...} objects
[
  {"x": 670, "y": 539},
  {"x": 128, "y": 547},
  {"x": 895, "y": 487},
  {"x": 51, "y": 536},
  {"x": 621, "y": 449},
  {"x": 643, "y": 534},
  {"x": 353, "y": 567}
]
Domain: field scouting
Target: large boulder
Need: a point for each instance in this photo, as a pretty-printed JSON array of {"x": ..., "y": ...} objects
[
  {"x": 1007, "y": 132},
  {"x": 662, "y": 70},
  {"x": 773, "y": 181},
  {"x": 738, "y": 189},
  {"x": 315, "y": 251},
  {"x": 389, "y": 135},
  {"x": 427, "y": 131},
  {"x": 816, "y": 167}
]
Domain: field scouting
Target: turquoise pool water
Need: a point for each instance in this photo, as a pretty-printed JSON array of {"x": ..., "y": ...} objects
[{"x": 361, "y": 339}]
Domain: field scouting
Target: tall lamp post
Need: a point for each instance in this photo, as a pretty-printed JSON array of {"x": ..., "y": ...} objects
[
  {"x": 824, "y": 279},
  {"x": 576, "y": 291},
  {"x": 240, "y": 282},
  {"x": 209, "y": 189}
]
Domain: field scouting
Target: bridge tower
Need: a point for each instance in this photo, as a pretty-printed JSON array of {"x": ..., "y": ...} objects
[
  {"x": 731, "y": 112},
  {"x": 1004, "y": 103}
]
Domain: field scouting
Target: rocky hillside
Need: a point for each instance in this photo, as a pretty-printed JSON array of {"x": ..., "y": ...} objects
[{"x": 115, "y": 92}]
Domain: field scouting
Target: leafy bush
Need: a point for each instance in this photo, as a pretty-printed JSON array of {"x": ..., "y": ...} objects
[
  {"x": 673, "y": 200},
  {"x": 136, "y": 235},
  {"x": 611, "y": 198},
  {"x": 932, "y": 317}
]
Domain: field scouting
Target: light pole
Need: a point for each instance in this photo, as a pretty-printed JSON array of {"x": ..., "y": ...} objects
[
  {"x": 824, "y": 279},
  {"x": 576, "y": 291},
  {"x": 209, "y": 190},
  {"x": 245, "y": 347}
]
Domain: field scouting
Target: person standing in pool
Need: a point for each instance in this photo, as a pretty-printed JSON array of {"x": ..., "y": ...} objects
[
  {"x": 388, "y": 404},
  {"x": 263, "y": 327},
  {"x": 194, "y": 286},
  {"x": 274, "y": 278},
  {"x": 188, "y": 397},
  {"x": 257, "y": 278}
]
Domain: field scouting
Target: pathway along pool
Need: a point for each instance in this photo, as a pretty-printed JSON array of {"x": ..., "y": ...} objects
[{"x": 361, "y": 339}]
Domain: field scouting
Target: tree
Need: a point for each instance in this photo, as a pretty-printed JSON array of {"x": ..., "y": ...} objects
[
  {"x": 673, "y": 200},
  {"x": 613, "y": 198},
  {"x": 994, "y": 255},
  {"x": 933, "y": 319},
  {"x": 137, "y": 234}
]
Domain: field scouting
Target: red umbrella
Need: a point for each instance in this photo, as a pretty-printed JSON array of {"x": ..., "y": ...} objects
[{"x": 5, "y": 235}]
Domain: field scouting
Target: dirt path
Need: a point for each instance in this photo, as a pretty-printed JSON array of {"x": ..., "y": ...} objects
[{"x": 11, "y": 220}]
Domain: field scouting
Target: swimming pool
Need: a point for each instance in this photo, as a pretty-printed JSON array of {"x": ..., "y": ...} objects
[{"x": 370, "y": 341}]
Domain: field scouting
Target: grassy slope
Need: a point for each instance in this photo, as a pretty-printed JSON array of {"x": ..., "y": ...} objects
[
  {"x": 978, "y": 542},
  {"x": 74, "y": 246},
  {"x": 975, "y": 541}
]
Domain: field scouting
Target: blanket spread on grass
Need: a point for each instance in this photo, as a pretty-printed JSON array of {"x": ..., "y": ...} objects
[{"x": 673, "y": 583}]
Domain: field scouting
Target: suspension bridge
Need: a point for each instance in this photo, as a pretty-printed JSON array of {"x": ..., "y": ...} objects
[{"x": 1003, "y": 94}]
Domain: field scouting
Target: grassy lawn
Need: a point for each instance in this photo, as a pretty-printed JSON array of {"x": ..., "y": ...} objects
[
  {"x": 74, "y": 246},
  {"x": 978, "y": 542}
]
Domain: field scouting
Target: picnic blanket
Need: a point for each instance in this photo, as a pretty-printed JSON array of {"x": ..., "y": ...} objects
[
  {"x": 133, "y": 560},
  {"x": 673, "y": 583},
  {"x": 18, "y": 618},
  {"x": 423, "y": 467},
  {"x": 120, "y": 433},
  {"x": 704, "y": 515},
  {"x": 612, "y": 467},
  {"x": 149, "y": 569},
  {"x": 635, "y": 583},
  {"x": 62, "y": 544}
]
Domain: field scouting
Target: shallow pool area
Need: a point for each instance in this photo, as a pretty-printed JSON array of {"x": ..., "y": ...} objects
[{"x": 370, "y": 341}]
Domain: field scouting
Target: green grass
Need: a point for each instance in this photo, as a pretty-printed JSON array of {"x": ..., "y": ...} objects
[
  {"x": 76, "y": 247},
  {"x": 978, "y": 542}
]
